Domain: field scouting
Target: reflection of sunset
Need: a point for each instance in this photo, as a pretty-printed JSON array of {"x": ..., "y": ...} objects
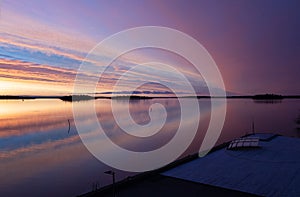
[
  {"x": 16, "y": 114},
  {"x": 21, "y": 109},
  {"x": 35, "y": 132}
]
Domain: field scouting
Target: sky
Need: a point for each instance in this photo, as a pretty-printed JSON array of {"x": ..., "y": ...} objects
[{"x": 255, "y": 44}]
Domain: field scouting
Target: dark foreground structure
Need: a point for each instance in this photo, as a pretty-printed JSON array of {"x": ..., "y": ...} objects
[{"x": 270, "y": 169}]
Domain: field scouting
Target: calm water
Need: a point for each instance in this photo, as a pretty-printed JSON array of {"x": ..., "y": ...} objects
[{"x": 40, "y": 156}]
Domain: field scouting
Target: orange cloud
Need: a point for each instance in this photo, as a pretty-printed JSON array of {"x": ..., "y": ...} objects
[{"x": 15, "y": 69}]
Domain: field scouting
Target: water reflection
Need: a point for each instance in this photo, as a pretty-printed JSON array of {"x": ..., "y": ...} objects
[
  {"x": 139, "y": 111},
  {"x": 268, "y": 101},
  {"x": 39, "y": 157}
]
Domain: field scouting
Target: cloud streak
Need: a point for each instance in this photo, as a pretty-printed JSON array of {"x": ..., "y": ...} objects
[{"x": 15, "y": 69}]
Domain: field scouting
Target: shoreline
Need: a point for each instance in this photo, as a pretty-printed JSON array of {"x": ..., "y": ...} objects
[{"x": 71, "y": 98}]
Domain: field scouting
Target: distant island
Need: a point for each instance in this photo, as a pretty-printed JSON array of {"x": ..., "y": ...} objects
[
  {"x": 267, "y": 97},
  {"x": 131, "y": 97},
  {"x": 71, "y": 98}
]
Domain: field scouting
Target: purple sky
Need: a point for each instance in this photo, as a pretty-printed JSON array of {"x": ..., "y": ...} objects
[{"x": 256, "y": 44}]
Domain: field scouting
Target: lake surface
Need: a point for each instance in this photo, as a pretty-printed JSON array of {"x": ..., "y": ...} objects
[{"x": 41, "y": 156}]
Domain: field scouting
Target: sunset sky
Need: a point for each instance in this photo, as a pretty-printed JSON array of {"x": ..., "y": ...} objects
[{"x": 256, "y": 44}]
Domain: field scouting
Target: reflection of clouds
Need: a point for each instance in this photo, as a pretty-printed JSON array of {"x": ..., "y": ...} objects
[
  {"x": 34, "y": 148},
  {"x": 49, "y": 165},
  {"x": 41, "y": 126},
  {"x": 139, "y": 111},
  {"x": 38, "y": 126},
  {"x": 9, "y": 128},
  {"x": 20, "y": 118}
]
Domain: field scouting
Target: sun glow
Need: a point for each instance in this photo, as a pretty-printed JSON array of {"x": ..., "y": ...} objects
[
  {"x": 21, "y": 87},
  {"x": 7, "y": 87}
]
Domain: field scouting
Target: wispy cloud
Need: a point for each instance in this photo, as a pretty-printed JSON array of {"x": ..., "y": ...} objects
[
  {"x": 18, "y": 27},
  {"x": 23, "y": 43},
  {"x": 15, "y": 69}
]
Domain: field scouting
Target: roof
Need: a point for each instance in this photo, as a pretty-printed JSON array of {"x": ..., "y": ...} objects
[{"x": 273, "y": 169}]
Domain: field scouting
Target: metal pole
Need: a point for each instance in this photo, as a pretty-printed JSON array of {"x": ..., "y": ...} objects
[
  {"x": 253, "y": 129},
  {"x": 112, "y": 173},
  {"x": 114, "y": 185}
]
